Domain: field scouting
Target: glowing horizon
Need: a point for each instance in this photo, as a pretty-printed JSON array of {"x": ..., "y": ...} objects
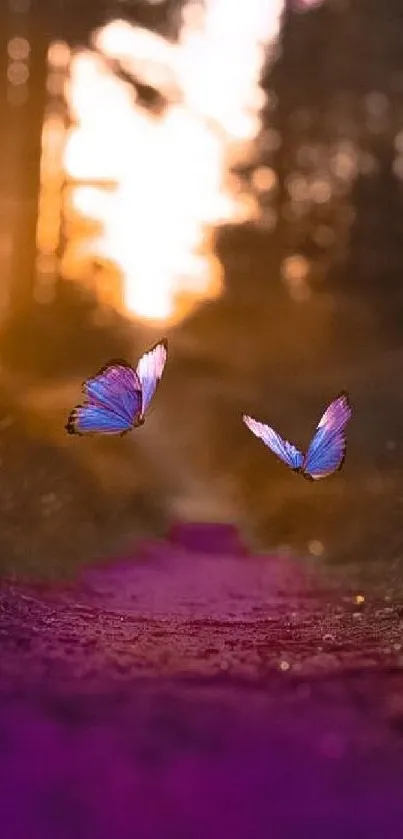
[{"x": 146, "y": 190}]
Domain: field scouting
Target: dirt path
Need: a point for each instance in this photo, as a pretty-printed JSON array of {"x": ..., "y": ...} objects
[{"x": 189, "y": 695}]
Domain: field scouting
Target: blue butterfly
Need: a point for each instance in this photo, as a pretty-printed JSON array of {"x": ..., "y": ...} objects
[
  {"x": 118, "y": 396},
  {"x": 327, "y": 449}
]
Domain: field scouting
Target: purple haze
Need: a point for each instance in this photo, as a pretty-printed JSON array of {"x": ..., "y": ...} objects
[{"x": 183, "y": 694}]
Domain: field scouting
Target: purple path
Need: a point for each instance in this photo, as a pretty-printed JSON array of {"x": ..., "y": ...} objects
[{"x": 185, "y": 694}]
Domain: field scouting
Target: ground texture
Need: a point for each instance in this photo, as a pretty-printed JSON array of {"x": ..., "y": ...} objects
[{"x": 193, "y": 690}]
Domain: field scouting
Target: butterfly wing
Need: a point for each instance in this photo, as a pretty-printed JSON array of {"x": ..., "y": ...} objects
[
  {"x": 117, "y": 387},
  {"x": 95, "y": 419},
  {"x": 113, "y": 401},
  {"x": 284, "y": 450},
  {"x": 327, "y": 450},
  {"x": 149, "y": 371}
]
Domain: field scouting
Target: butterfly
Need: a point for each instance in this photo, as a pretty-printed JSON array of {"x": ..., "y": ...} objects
[
  {"x": 327, "y": 449},
  {"x": 118, "y": 396}
]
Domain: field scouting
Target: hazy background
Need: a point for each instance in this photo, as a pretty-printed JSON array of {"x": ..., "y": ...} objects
[{"x": 234, "y": 183}]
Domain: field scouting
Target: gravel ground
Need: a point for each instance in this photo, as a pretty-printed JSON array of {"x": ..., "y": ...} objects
[{"x": 185, "y": 693}]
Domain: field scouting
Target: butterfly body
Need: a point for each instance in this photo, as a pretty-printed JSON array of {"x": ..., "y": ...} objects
[
  {"x": 304, "y": 474},
  {"x": 118, "y": 396},
  {"x": 326, "y": 452}
]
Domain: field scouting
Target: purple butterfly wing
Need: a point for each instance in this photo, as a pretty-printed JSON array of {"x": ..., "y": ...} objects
[
  {"x": 149, "y": 371},
  {"x": 327, "y": 450},
  {"x": 117, "y": 387},
  {"x": 281, "y": 448},
  {"x": 95, "y": 419},
  {"x": 113, "y": 403}
]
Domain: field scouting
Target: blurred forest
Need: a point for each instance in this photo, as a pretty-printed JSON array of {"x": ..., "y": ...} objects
[{"x": 312, "y": 306}]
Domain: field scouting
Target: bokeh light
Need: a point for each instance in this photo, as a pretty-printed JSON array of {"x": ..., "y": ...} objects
[{"x": 156, "y": 185}]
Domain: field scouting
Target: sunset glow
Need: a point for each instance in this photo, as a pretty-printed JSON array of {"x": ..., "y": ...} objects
[{"x": 146, "y": 188}]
